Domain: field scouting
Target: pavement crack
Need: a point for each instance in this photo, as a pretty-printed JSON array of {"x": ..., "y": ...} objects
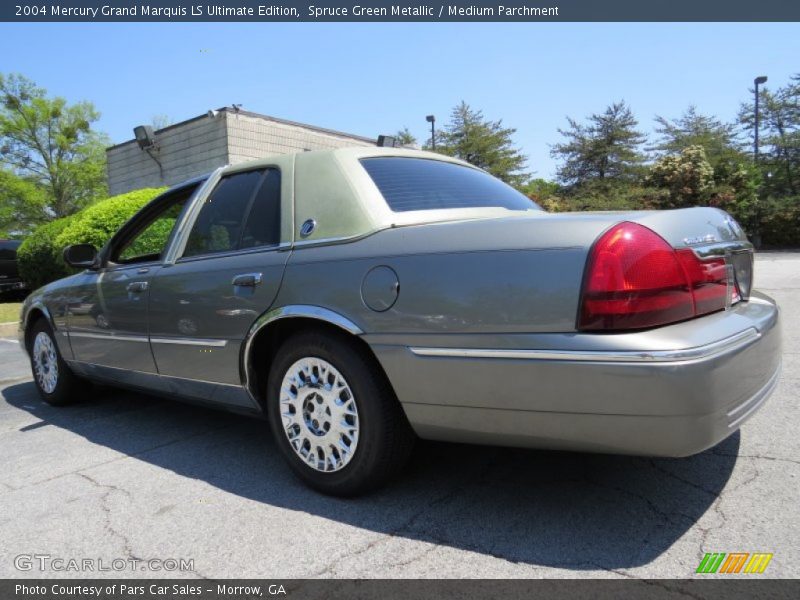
[
  {"x": 408, "y": 524},
  {"x": 652, "y": 462},
  {"x": 758, "y": 457},
  {"x": 104, "y": 505},
  {"x": 79, "y": 471}
]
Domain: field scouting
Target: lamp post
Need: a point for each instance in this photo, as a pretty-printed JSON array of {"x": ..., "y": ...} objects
[
  {"x": 432, "y": 120},
  {"x": 757, "y": 81},
  {"x": 757, "y": 226}
]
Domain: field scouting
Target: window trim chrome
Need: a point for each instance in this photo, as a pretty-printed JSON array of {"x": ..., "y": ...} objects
[{"x": 183, "y": 228}]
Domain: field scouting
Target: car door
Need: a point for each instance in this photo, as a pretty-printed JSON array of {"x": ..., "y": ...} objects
[
  {"x": 8, "y": 262},
  {"x": 226, "y": 275},
  {"x": 107, "y": 316}
]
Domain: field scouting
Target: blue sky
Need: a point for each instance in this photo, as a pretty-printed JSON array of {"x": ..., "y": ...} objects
[{"x": 376, "y": 78}]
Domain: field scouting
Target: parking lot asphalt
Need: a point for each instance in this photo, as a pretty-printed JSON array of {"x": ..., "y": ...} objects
[{"x": 123, "y": 475}]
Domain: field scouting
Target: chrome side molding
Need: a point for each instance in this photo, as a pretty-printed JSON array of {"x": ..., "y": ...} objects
[
  {"x": 307, "y": 311},
  {"x": 108, "y": 336},
  {"x": 214, "y": 343},
  {"x": 734, "y": 342},
  {"x": 287, "y": 312},
  {"x": 143, "y": 338}
]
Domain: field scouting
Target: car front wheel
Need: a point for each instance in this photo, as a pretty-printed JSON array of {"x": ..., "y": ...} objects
[
  {"x": 56, "y": 383},
  {"x": 334, "y": 415}
]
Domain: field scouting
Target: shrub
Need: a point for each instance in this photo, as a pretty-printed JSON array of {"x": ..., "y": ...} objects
[
  {"x": 40, "y": 255},
  {"x": 97, "y": 223},
  {"x": 687, "y": 176},
  {"x": 39, "y": 260},
  {"x": 780, "y": 222},
  {"x": 604, "y": 196}
]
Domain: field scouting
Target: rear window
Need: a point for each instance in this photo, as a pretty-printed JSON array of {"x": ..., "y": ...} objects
[{"x": 425, "y": 184}]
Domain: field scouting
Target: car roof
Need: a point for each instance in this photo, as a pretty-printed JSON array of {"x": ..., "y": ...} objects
[
  {"x": 332, "y": 189},
  {"x": 353, "y": 152}
]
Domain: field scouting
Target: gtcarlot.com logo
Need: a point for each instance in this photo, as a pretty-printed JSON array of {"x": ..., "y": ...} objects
[
  {"x": 734, "y": 562},
  {"x": 47, "y": 562}
]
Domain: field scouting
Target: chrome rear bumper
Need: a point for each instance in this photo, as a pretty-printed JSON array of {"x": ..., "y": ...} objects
[{"x": 671, "y": 401}]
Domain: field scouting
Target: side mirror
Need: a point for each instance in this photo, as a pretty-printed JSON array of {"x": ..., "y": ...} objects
[{"x": 81, "y": 256}]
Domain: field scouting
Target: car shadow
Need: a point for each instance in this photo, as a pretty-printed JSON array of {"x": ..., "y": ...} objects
[{"x": 553, "y": 509}]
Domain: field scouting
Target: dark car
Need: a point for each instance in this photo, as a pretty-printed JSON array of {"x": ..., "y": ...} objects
[{"x": 10, "y": 281}]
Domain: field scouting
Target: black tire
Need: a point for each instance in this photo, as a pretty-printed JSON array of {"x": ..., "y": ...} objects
[
  {"x": 69, "y": 388},
  {"x": 385, "y": 438}
]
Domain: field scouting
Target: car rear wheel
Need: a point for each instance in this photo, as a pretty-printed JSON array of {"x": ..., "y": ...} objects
[
  {"x": 56, "y": 383},
  {"x": 334, "y": 415}
]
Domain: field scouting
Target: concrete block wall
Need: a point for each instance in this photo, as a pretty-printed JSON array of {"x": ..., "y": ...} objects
[
  {"x": 186, "y": 150},
  {"x": 202, "y": 144},
  {"x": 251, "y": 137}
]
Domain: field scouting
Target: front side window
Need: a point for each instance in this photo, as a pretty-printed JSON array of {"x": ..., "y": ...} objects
[
  {"x": 243, "y": 211},
  {"x": 148, "y": 240},
  {"x": 424, "y": 184}
]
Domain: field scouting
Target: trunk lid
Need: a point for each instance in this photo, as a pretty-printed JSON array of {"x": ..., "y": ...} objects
[{"x": 709, "y": 232}]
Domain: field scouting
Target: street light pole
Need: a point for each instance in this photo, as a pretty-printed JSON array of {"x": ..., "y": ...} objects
[
  {"x": 757, "y": 81},
  {"x": 757, "y": 225},
  {"x": 432, "y": 120}
]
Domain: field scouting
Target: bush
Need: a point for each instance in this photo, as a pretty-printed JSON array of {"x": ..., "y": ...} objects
[
  {"x": 39, "y": 260},
  {"x": 603, "y": 196},
  {"x": 780, "y": 222},
  {"x": 40, "y": 255},
  {"x": 97, "y": 223}
]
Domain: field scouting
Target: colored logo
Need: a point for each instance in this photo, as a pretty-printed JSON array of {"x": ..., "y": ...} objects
[{"x": 735, "y": 562}]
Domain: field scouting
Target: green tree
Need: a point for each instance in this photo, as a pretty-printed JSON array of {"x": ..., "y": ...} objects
[
  {"x": 484, "y": 143},
  {"x": 23, "y": 204},
  {"x": 605, "y": 148},
  {"x": 692, "y": 128},
  {"x": 688, "y": 176},
  {"x": 719, "y": 141},
  {"x": 539, "y": 189},
  {"x": 51, "y": 145},
  {"x": 779, "y": 137},
  {"x": 404, "y": 137}
]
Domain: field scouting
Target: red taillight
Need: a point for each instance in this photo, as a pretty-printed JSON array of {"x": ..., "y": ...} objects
[
  {"x": 709, "y": 281},
  {"x": 635, "y": 279}
]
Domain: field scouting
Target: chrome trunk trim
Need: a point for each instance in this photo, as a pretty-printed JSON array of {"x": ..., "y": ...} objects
[{"x": 734, "y": 342}]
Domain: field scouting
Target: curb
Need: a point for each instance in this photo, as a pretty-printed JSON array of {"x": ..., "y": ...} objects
[{"x": 9, "y": 329}]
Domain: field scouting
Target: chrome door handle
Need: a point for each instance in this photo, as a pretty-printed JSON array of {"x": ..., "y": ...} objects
[
  {"x": 248, "y": 279},
  {"x": 137, "y": 286}
]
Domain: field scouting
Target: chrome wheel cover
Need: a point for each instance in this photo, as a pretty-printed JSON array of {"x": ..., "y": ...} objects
[
  {"x": 319, "y": 413},
  {"x": 45, "y": 362}
]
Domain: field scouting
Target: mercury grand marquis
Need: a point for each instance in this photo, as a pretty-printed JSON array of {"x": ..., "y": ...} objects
[{"x": 362, "y": 298}]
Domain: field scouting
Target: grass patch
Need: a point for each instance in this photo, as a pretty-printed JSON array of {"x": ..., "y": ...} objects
[{"x": 9, "y": 312}]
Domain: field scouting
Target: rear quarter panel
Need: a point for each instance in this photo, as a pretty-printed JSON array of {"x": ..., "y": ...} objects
[{"x": 488, "y": 276}]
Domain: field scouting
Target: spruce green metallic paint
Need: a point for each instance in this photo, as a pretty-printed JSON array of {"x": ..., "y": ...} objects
[{"x": 478, "y": 340}]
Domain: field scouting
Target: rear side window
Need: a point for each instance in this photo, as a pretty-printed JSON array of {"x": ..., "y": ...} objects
[
  {"x": 425, "y": 184},
  {"x": 263, "y": 226},
  {"x": 243, "y": 211}
]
